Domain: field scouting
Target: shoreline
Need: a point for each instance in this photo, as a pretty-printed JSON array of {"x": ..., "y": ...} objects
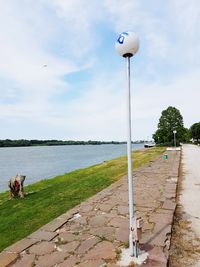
[
  {"x": 46, "y": 162},
  {"x": 31, "y": 143}
]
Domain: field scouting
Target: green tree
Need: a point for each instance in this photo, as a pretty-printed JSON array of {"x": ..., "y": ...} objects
[
  {"x": 187, "y": 136},
  {"x": 170, "y": 120},
  {"x": 195, "y": 131}
]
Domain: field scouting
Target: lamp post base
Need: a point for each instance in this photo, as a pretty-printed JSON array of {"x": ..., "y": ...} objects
[{"x": 126, "y": 259}]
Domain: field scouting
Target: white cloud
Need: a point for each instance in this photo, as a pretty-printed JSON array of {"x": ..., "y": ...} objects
[
  {"x": 183, "y": 93},
  {"x": 78, "y": 19},
  {"x": 101, "y": 112},
  {"x": 96, "y": 115}
]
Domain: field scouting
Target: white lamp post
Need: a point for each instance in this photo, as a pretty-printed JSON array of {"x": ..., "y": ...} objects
[
  {"x": 127, "y": 45},
  {"x": 175, "y": 138}
]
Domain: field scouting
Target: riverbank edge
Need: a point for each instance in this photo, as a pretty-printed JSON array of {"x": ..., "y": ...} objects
[{"x": 29, "y": 181}]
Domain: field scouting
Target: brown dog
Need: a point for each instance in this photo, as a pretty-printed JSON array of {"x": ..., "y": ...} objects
[{"x": 16, "y": 186}]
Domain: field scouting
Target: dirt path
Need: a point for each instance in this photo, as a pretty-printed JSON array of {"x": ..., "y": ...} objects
[{"x": 185, "y": 247}]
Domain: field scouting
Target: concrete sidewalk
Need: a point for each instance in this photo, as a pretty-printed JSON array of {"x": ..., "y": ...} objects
[{"x": 92, "y": 234}]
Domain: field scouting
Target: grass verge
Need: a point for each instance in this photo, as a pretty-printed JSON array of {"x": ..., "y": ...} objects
[{"x": 47, "y": 199}]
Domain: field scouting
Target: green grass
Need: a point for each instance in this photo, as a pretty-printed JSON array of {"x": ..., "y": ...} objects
[{"x": 47, "y": 199}]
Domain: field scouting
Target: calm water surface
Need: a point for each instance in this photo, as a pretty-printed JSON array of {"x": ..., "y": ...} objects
[{"x": 43, "y": 162}]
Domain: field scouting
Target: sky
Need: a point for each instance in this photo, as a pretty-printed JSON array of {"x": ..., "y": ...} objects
[{"x": 61, "y": 78}]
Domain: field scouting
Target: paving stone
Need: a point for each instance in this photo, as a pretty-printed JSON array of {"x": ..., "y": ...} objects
[
  {"x": 164, "y": 211},
  {"x": 25, "y": 261},
  {"x": 92, "y": 263},
  {"x": 174, "y": 179},
  {"x": 42, "y": 248},
  {"x": 159, "y": 235},
  {"x": 146, "y": 237},
  {"x": 144, "y": 209},
  {"x": 7, "y": 258},
  {"x": 84, "y": 236},
  {"x": 170, "y": 192},
  {"x": 21, "y": 245},
  {"x": 170, "y": 195},
  {"x": 109, "y": 215},
  {"x": 156, "y": 254},
  {"x": 147, "y": 226},
  {"x": 75, "y": 228},
  {"x": 43, "y": 235},
  {"x": 55, "y": 224},
  {"x": 112, "y": 265},
  {"x": 165, "y": 218},
  {"x": 121, "y": 222},
  {"x": 147, "y": 204},
  {"x": 122, "y": 198},
  {"x": 107, "y": 232},
  {"x": 50, "y": 260},
  {"x": 122, "y": 234},
  {"x": 86, "y": 208},
  {"x": 87, "y": 244},
  {"x": 113, "y": 212},
  {"x": 114, "y": 201},
  {"x": 170, "y": 186},
  {"x": 69, "y": 262},
  {"x": 104, "y": 250},
  {"x": 123, "y": 210},
  {"x": 81, "y": 220},
  {"x": 169, "y": 205},
  {"x": 152, "y": 193},
  {"x": 97, "y": 221},
  {"x": 66, "y": 237},
  {"x": 105, "y": 207},
  {"x": 153, "y": 263},
  {"x": 69, "y": 247}
]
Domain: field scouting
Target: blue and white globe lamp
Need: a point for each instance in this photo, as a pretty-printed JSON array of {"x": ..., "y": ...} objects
[{"x": 127, "y": 44}]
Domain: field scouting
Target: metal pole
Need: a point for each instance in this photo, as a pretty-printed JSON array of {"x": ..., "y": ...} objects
[
  {"x": 175, "y": 140},
  {"x": 132, "y": 244}
]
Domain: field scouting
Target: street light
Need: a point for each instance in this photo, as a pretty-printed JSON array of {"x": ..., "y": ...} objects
[
  {"x": 127, "y": 45},
  {"x": 175, "y": 138}
]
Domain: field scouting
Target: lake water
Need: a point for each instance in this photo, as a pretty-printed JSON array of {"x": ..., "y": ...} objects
[{"x": 43, "y": 162}]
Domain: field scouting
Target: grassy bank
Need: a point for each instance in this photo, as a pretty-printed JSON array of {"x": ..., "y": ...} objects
[{"x": 48, "y": 199}]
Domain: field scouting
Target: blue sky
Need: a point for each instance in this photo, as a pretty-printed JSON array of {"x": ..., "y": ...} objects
[{"x": 80, "y": 94}]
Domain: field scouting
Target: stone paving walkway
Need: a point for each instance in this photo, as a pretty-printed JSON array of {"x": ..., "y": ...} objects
[{"x": 92, "y": 234}]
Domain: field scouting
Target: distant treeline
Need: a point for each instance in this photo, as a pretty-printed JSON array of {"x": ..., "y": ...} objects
[{"x": 24, "y": 142}]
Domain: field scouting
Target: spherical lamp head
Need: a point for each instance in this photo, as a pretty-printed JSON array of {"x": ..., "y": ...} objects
[
  {"x": 174, "y": 131},
  {"x": 127, "y": 44}
]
